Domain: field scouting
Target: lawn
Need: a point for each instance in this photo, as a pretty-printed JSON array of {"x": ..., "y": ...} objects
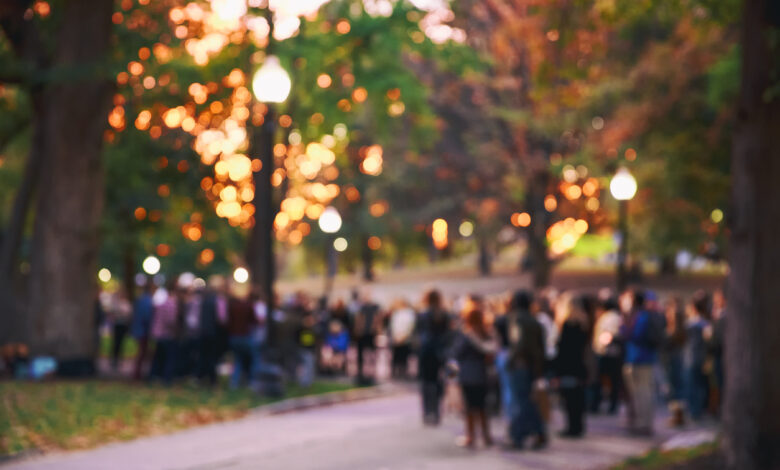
[
  {"x": 64, "y": 415},
  {"x": 700, "y": 457}
]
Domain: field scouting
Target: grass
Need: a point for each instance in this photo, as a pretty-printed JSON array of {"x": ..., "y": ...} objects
[
  {"x": 698, "y": 457},
  {"x": 62, "y": 415}
]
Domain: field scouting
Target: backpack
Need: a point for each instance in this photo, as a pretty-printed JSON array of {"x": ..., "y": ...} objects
[{"x": 656, "y": 330}]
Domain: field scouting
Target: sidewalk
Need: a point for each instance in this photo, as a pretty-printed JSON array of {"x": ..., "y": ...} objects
[{"x": 381, "y": 433}]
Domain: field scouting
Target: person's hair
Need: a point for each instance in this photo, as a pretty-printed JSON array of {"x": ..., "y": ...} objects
[
  {"x": 474, "y": 320},
  {"x": 433, "y": 299},
  {"x": 700, "y": 302},
  {"x": 521, "y": 300},
  {"x": 611, "y": 303},
  {"x": 171, "y": 284},
  {"x": 569, "y": 308},
  {"x": 639, "y": 299}
]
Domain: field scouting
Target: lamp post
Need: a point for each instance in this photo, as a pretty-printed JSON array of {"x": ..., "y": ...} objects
[
  {"x": 623, "y": 189},
  {"x": 271, "y": 85},
  {"x": 330, "y": 223}
]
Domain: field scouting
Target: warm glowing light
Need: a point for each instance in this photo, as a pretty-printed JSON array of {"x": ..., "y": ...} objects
[
  {"x": 271, "y": 83},
  {"x": 340, "y": 244},
  {"x": 374, "y": 243},
  {"x": 330, "y": 220},
  {"x": 324, "y": 80},
  {"x": 623, "y": 185},
  {"x": 716, "y": 216},
  {"x": 139, "y": 213},
  {"x": 439, "y": 233},
  {"x": 359, "y": 95},
  {"x": 241, "y": 275},
  {"x": 573, "y": 192},
  {"x": 466, "y": 228},
  {"x": 521, "y": 219},
  {"x": 550, "y": 203},
  {"x": 206, "y": 256},
  {"x": 151, "y": 265},
  {"x": 372, "y": 164},
  {"x": 104, "y": 275}
]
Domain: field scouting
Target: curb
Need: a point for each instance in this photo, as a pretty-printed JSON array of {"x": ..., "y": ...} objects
[{"x": 326, "y": 399}]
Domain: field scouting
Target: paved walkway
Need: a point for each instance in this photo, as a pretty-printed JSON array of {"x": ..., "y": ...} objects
[{"x": 384, "y": 433}]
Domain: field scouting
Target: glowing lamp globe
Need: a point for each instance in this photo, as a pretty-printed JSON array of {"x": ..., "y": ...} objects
[
  {"x": 623, "y": 185},
  {"x": 271, "y": 83},
  {"x": 330, "y": 220},
  {"x": 151, "y": 265}
]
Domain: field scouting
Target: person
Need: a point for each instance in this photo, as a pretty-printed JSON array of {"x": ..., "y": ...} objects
[
  {"x": 640, "y": 334},
  {"x": 209, "y": 326},
  {"x": 336, "y": 343},
  {"x": 307, "y": 342},
  {"x": 715, "y": 342},
  {"x": 672, "y": 357},
  {"x": 524, "y": 364},
  {"x": 609, "y": 354},
  {"x": 165, "y": 324},
  {"x": 260, "y": 329},
  {"x": 473, "y": 349},
  {"x": 190, "y": 350},
  {"x": 140, "y": 326},
  {"x": 367, "y": 325},
  {"x": 695, "y": 355},
  {"x": 433, "y": 330},
  {"x": 120, "y": 313},
  {"x": 569, "y": 365},
  {"x": 239, "y": 325},
  {"x": 401, "y": 326},
  {"x": 542, "y": 312}
]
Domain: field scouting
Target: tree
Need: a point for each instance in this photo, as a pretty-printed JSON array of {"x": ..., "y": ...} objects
[
  {"x": 69, "y": 132},
  {"x": 752, "y": 406}
]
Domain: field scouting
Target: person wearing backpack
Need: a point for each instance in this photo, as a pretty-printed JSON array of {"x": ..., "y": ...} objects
[{"x": 643, "y": 333}]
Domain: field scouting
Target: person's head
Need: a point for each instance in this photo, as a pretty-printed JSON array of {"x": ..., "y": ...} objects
[
  {"x": 718, "y": 299},
  {"x": 521, "y": 301},
  {"x": 433, "y": 299},
  {"x": 610, "y": 304},
  {"x": 699, "y": 304},
  {"x": 474, "y": 321},
  {"x": 570, "y": 308},
  {"x": 626, "y": 301},
  {"x": 652, "y": 302}
]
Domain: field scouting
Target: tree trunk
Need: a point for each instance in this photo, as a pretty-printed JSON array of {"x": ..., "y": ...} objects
[
  {"x": 538, "y": 261},
  {"x": 484, "y": 260},
  {"x": 752, "y": 399},
  {"x": 65, "y": 240}
]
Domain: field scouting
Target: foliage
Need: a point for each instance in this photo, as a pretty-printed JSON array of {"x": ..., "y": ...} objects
[{"x": 76, "y": 415}]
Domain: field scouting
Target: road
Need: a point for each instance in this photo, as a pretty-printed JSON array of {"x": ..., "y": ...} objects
[{"x": 381, "y": 434}]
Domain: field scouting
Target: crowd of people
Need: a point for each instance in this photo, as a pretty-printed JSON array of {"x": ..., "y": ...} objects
[{"x": 592, "y": 352}]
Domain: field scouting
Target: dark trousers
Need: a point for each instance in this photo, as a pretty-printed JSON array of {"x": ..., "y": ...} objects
[
  {"x": 164, "y": 360},
  {"x": 525, "y": 419},
  {"x": 364, "y": 344},
  {"x": 574, "y": 404},
  {"x": 208, "y": 347},
  {"x": 143, "y": 349},
  {"x": 609, "y": 368},
  {"x": 431, "y": 391},
  {"x": 118, "y": 333},
  {"x": 400, "y": 359}
]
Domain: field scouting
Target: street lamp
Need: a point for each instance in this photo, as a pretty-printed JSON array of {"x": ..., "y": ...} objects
[
  {"x": 330, "y": 223},
  {"x": 623, "y": 189},
  {"x": 271, "y": 84}
]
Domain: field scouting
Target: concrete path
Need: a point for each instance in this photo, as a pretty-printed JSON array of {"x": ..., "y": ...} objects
[{"x": 384, "y": 433}]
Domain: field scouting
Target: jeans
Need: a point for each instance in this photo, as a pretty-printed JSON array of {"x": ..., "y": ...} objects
[
  {"x": 609, "y": 368},
  {"x": 675, "y": 375},
  {"x": 507, "y": 394},
  {"x": 525, "y": 419},
  {"x": 207, "y": 359},
  {"x": 241, "y": 347},
  {"x": 639, "y": 383},
  {"x": 431, "y": 391},
  {"x": 696, "y": 390},
  {"x": 574, "y": 404},
  {"x": 306, "y": 371},
  {"x": 165, "y": 360}
]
